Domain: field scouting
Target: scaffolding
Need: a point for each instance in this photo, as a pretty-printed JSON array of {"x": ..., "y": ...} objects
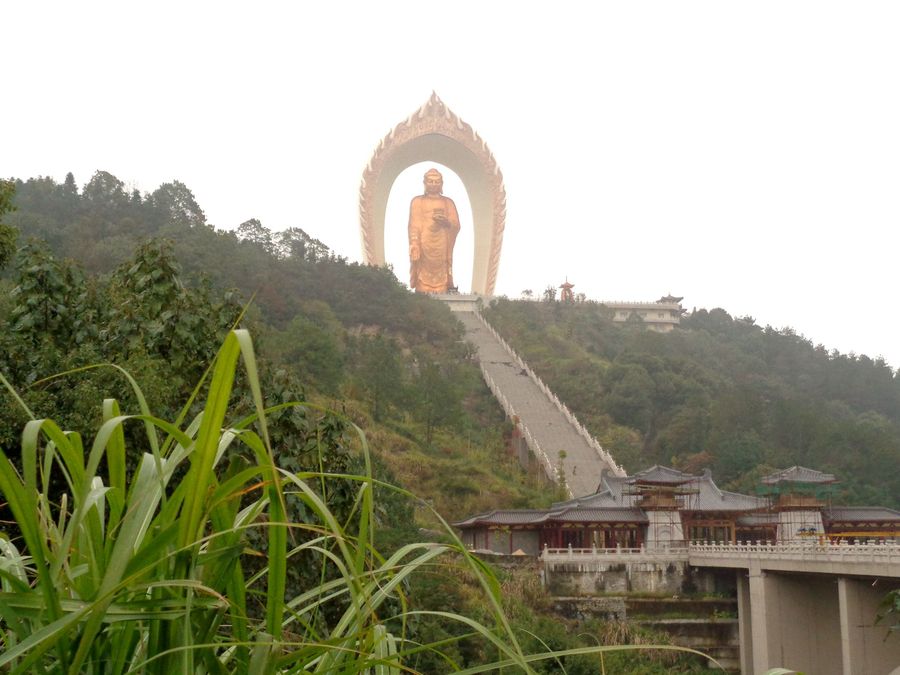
[
  {"x": 663, "y": 501},
  {"x": 797, "y": 496}
]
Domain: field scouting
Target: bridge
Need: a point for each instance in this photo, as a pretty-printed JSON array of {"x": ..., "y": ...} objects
[
  {"x": 559, "y": 442},
  {"x": 808, "y": 606}
]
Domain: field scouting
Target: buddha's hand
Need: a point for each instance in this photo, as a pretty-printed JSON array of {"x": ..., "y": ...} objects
[
  {"x": 441, "y": 219},
  {"x": 414, "y": 252}
]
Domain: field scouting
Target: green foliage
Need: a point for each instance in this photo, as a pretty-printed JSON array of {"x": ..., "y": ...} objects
[
  {"x": 46, "y": 294},
  {"x": 437, "y": 395},
  {"x": 146, "y": 570},
  {"x": 7, "y": 234},
  {"x": 177, "y": 204},
  {"x": 889, "y": 612},
  {"x": 141, "y": 317},
  {"x": 154, "y": 569},
  {"x": 350, "y": 333},
  {"x": 312, "y": 345},
  {"x": 378, "y": 366},
  {"x": 152, "y": 310},
  {"x": 717, "y": 393}
]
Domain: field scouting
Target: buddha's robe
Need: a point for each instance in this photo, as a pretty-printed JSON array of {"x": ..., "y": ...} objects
[{"x": 432, "y": 272}]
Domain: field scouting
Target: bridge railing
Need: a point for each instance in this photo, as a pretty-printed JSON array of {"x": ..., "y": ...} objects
[
  {"x": 812, "y": 550},
  {"x": 887, "y": 552},
  {"x": 674, "y": 551},
  {"x": 562, "y": 407}
]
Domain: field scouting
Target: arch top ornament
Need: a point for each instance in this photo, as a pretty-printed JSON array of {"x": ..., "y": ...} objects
[{"x": 437, "y": 134}]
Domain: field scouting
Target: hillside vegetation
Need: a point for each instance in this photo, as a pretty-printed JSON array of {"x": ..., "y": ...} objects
[
  {"x": 719, "y": 392},
  {"x": 103, "y": 275}
]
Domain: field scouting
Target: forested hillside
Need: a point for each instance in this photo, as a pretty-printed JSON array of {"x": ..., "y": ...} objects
[
  {"x": 102, "y": 277},
  {"x": 143, "y": 281},
  {"x": 719, "y": 392}
]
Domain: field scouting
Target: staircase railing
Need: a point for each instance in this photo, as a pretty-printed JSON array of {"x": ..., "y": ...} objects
[
  {"x": 562, "y": 407},
  {"x": 530, "y": 440}
]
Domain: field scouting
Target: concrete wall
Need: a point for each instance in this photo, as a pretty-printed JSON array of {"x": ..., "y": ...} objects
[
  {"x": 745, "y": 627},
  {"x": 502, "y": 540},
  {"x": 867, "y": 648},
  {"x": 581, "y": 609},
  {"x": 803, "y": 623},
  {"x": 630, "y": 575}
]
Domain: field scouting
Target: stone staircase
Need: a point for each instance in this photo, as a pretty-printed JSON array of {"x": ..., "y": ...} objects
[{"x": 553, "y": 434}]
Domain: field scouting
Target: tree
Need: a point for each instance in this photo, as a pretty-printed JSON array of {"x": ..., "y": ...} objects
[
  {"x": 69, "y": 187},
  {"x": 7, "y": 234},
  {"x": 177, "y": 202},
  {"x": 254, "y": 232},
  {"x": 295, "y": 243},
  {"x": 550, "y": 294},
  {"x": 153, "y": 311},
  {"x": 737, "y": 455},
  {"x": 630, "y": 397},
  {"x": 311, "y": 345},
  {"x": 379, "y": 369},
  {"x": 104, "y": 190},
  {"x": 44, "y": 296},
  {"x": 438, "y": 395}
]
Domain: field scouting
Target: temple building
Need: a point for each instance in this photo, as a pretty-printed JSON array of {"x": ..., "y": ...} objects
[
  {"x": 661, "y": 316},
  {"x": 662, "y": 507}
]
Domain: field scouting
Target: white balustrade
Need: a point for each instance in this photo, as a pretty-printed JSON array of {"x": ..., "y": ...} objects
[
  {"x": 882, "y": 554},
  {"x": 671, "y": 552},
  {"x": 813, "y": 550},
  {"x": 563, "y": 408}
]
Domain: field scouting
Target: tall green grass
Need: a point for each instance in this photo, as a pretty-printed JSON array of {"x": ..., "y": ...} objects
[{"x": 144, "y": 571}]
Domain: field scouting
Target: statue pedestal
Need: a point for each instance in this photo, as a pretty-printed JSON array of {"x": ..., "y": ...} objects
[{"x": 460, "y": 302}]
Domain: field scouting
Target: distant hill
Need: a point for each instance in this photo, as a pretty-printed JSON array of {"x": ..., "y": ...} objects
[{"x": 718, "y": 392}]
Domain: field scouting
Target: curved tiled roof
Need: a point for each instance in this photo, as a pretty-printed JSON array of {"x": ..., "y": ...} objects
[
  {"x": 574, "y": 514},
  {"x": 661, "y": 474},
  {"x": 860, "y": 513},
  {"x": 798, "y": 474},
  {"x": 617, "y": 491},
  {"x": 711, "y": 498},
  {"x": 599, "y": 515},
  {"x": 499, "y": 517}
]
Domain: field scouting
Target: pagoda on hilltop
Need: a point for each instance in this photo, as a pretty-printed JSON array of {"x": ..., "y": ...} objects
[{"x": 567, "y": 295}]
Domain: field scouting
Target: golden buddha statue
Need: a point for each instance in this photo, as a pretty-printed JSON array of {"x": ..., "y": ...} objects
[{"x": 433, "y": 226}]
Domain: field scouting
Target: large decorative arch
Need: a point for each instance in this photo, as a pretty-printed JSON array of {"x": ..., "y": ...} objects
[{"x": 434, "y": 133}]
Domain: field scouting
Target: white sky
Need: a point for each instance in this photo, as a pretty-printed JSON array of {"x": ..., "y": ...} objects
[{"x": 743, "y": 155}]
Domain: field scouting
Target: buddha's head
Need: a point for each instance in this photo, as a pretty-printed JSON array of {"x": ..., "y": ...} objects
[{"x": 434, "y": 182}]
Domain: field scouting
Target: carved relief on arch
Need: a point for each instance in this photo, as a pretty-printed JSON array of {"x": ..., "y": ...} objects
[{"x": 434, "y": 133}]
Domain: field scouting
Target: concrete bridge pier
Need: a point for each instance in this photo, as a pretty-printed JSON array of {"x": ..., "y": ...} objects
[
  {"x": 812, "y": 623},
  {"x": 863, "y": 643}
]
